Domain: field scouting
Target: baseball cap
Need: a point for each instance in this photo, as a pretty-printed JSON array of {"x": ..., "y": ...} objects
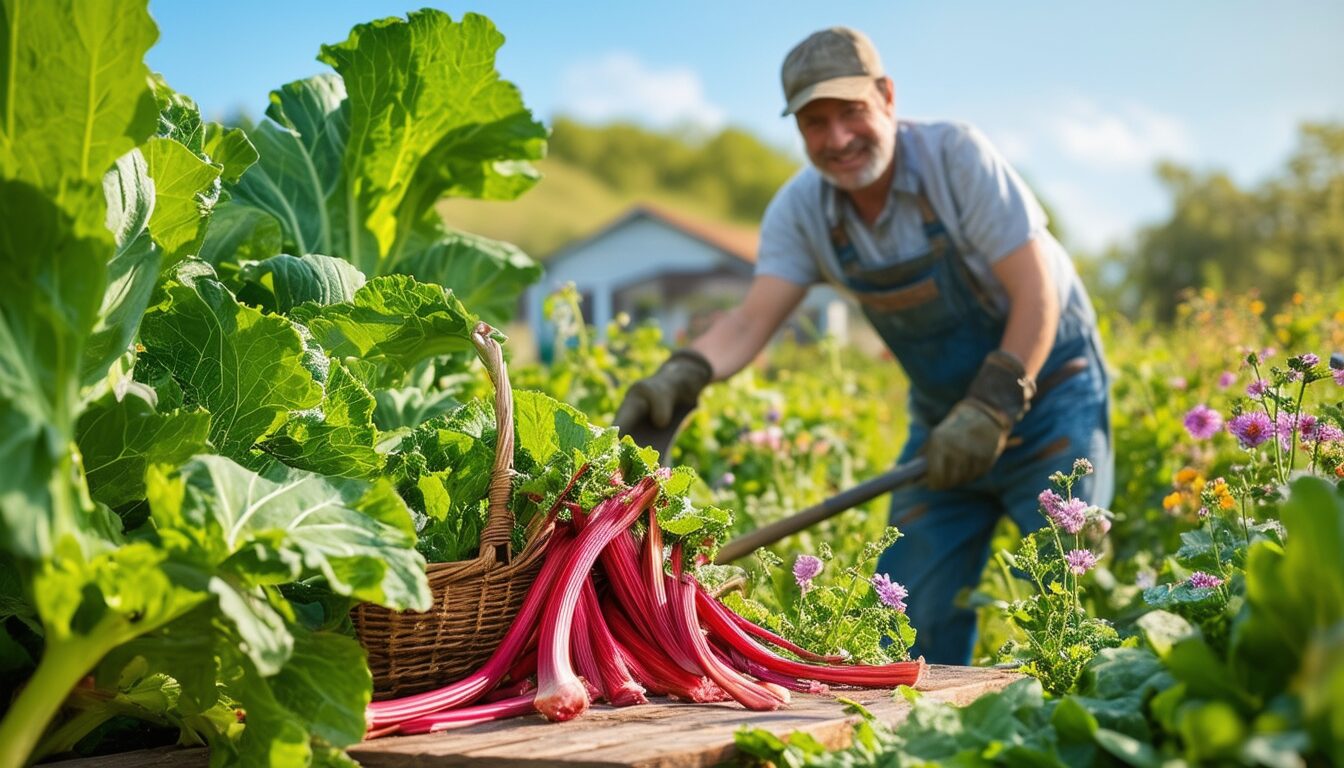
[{"x": 835, "y": 63}]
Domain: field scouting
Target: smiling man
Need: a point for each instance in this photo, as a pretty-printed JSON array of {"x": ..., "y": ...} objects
[{"x": 946, "y": 251}]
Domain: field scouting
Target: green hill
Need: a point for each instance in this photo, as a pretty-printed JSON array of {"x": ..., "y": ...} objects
[{"x": 568, "y": 203}]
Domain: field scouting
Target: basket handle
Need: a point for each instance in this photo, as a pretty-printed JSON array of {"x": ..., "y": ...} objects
[{"x": 497, "y": 536}]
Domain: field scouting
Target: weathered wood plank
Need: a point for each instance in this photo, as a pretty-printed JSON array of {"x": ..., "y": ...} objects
[{"x": 661, "y": 734}]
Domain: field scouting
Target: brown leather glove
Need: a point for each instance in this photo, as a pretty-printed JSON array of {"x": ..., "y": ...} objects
[
  {"x": 679, "y": 380},
  {"x": 971, "y": 438}
]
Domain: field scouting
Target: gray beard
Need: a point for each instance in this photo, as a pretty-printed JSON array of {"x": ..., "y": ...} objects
[{"x": 882, "y": 158}]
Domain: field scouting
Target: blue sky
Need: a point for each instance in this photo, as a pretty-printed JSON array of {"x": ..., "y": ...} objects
[{"x": 1082, "y": 97}]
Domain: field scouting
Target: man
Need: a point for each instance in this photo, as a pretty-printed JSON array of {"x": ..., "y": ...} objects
[{"x": 947, "y": 252}]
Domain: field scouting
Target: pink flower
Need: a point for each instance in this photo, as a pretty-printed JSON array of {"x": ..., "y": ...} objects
[
  {"x": 1251, "y": 428},
  {"x": 806, "y": 568},
  {"x": 1338, "y": 375},
  {"x": 1308, "y": 359},
  {"x": 1071, "y": 515},
  {"x": 1050, "y": 502},
  {"x": 1257, "y": 388},
  {"x": 1202, "y": 580},
  {"x": 1227, "y": 379},
  {"x": 1080, "y": 561},
  {"x": 1293, "y": 375},
  {"x": 1202, "y": 422},
  {"x": 889, "y": 592}
]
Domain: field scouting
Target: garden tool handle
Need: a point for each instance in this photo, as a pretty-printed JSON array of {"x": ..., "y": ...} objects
[{"x": 901, "y": 475}]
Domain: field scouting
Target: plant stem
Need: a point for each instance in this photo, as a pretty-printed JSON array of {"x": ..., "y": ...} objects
[{"x": 63, "y": 663}]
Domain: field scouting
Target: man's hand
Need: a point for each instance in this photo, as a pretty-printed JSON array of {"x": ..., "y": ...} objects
[
  {"x": 971, "y": 438},
  {"x": 677, "y": 381}
]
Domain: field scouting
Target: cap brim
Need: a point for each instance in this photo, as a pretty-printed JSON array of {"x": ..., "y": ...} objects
[{"x": 848, "y": 88}]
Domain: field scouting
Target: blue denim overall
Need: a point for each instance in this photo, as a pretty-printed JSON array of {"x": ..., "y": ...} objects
[{"x": 940, "y": 324}]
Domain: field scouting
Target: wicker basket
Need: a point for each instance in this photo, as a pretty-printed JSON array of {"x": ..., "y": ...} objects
[{"x": 475, "y": 601}]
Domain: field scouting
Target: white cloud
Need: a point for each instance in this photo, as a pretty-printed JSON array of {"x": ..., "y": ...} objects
[
  {"x": 1133, "y": 136},
  {"x": 1089, "y": 222},
  {"x": 618, "y": 85}
]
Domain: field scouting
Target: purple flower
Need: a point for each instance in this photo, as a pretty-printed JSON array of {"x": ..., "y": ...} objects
[
  {"x": 889, "y": 592},
  {"x": 772, "y": 415},
  {"x": 1284, "y": 425},
  {"x": 1177, "y": 382},
  {"x": 1268, "y": 352},
  {"x": 1071, "y": 515},
  {"x": 1202, "y": 422},
  {"x": 1293, "y": 375},
  {"x": 1080, "y": 561},
  {"x": 1203, "y": 512},
  {"x": 806, "y": 568},
  {"x": 1257, "y": 388},
  {"x": 1308, "y": 359},
  {"x": 1050, "y": 502},
  {"x": 1329, "y": 433},
  {"x": 728, "y": 479},
  {"x": 1202, "y": 580},
  {"x": 1251, "y": 428},
  {"x": 1338, "y": 375},
  {"x": 1227, "y": 379}
]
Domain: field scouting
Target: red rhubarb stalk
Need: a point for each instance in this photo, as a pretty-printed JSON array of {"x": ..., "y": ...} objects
[
  {"x": 745, "y": 691},
  {"x": 657, "y": 671},
  {"x": 465, "y": 716},
  {"x": 383, "y": 713},
  {"x": 560, "y": 694},
  {"x": 717, "y": 618},
  {"x": 617, "y": 685}
]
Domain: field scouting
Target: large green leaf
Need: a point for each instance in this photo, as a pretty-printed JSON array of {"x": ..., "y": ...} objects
[
  {"x": 244, "y": 367},
  {"x": 487, "y": 275},
  {"x": 280, "y": 283},
  {"x": 51, "y": 287},
  {"x": 76, "y": 94},
  {"x": 393, "y": 321},
  {"x": 297, "y": 180},
  {"x": 312, "y": 524},
  {"x": 133, "y": 269},
  {"x": 429, "y": 117},
  {"x": 119, "y": 438},
  {"x": 336, "y": 438},
  {"x": 239, "y": 233},
  {"x": 184, "y": 193}
]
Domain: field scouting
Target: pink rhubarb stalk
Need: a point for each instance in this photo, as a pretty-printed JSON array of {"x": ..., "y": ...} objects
[
  {"x": 717, "y": 618},
  {"x": 384, "y": 713},
  {"x": 560, "y": 694},
  {"x": 465, "y": 716}
]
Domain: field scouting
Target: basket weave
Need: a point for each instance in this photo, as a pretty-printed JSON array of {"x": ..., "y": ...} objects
[{"x": 475, "y": 601}]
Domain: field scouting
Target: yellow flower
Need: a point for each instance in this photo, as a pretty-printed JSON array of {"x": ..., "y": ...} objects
[
  {"x": 1227, "y": 502},
  {"x": 1257, "y": 307},
  {"x": 1298, "y": 298},
  {"x": 1172, "y": 501},
  {"x": 1186, "y": 476}
]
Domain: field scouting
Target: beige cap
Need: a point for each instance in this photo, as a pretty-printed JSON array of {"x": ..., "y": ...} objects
[{"x": 835, "y": 63}]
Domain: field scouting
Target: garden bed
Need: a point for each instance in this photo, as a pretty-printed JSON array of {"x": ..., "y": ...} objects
[{"x": 660, "y": 733}]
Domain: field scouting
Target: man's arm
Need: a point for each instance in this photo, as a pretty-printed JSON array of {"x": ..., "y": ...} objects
[
  {"x": 738, "y": 336},
  {"x": 1033, "y": 312}
]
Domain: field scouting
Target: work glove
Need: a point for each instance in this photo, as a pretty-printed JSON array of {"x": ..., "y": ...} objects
[
  {"x": 678, "y": 381},
  {"x": 971, "y": 438}
]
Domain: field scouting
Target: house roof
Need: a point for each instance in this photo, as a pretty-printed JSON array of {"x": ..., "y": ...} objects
[{"x": 735, "y": 240}]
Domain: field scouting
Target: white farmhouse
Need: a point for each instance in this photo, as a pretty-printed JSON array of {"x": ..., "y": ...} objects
[{"x": 654, "y": 263}]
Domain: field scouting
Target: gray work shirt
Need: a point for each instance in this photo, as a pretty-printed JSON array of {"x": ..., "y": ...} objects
[{"x": 984, "y": 205}]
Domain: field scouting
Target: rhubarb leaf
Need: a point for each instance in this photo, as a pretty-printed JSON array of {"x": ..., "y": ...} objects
[
  {"x": 215, "y": 348},
  {"x": 120, "y": 438},
  {"x": 280, "y": 283},
  {"x": 392, "y": 321},
  {"x": 337, "y": 437},
  {"x": 311, "y": 524},
  {"x": 487, "y": 275}
]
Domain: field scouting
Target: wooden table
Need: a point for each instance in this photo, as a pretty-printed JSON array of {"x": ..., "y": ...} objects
[{"x": 661, "y": 734}]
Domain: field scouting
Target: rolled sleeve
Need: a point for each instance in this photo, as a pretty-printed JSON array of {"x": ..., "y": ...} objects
[
  {"x": 998, "y": 212},
  {"x": 785, "y": 251}
]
